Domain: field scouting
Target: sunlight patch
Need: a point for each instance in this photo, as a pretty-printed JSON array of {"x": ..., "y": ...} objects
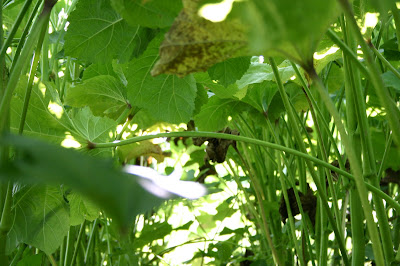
[
  {"x": 55, "y": 109},
  {"x": 371, "y": 19},
  {"x": 331, "y": 50},
  {"x": 216, "y": 12},
  {"x": 70, "y": 142}
]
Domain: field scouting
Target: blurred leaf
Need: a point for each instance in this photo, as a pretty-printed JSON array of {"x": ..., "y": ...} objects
[
  {"x": 166, "y": 97},
  {"x": 117, "y": 193},
  {"x": 41, "y": 217},
  {"x": 150, "y": 13},
  {"x": 81, "y": 209},
  {"x": 230, "y": 70},
  {"x": 98, "y": 34},
  {"x": 105, "y": 95},
  {"x": 194, "y": 44},
  {"x": 280, "y": 26},
  {"x": 391, "y": 80}
]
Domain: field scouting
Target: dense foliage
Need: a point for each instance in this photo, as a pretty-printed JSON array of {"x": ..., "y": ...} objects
[{"x": 286, "y": 111}]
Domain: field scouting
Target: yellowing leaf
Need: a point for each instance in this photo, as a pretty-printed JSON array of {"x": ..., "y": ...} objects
[{"x": 194, "y": 44}]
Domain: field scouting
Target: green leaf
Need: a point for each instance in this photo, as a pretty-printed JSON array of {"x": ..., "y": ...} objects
[
  {"x": 151, "y": 13},
  {"x": 105, "y": 95},
  {"x": 167, "y": 97},
  {"x": 259, "y": 72},
  {"x": 391, "y": 80},
  {"x": 281, "y": 26},
  {"x": 93, "y": 128},
  {"x": 41, "y": 217},
  {"x": 229, "y": 71},
  {"x": 260, "y": 95},
  {"x": 98, "y": 34},
  {"x": 152, "y": 232},
  {"x": 194, "y": 44},
  {"x": 45, "y": 119},
  {"x": 81, "y": 209},
  {"x": 214, "y": 115},
  {"x": 218, "y": 89},
  {"x": 297, "y": 97},
  {"x": 97, "y": 70},
  {"x": 32, "y": 260},
  {"x": 201, "y": 99},
  {"x": 117, "y": 193}
]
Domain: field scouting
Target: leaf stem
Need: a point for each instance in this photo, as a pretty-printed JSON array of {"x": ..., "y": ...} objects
[
  {"x": 34, "y": 66},
  {"x": 385, "y": 62},
  {"x": 354, "y": 162},
  {"x": 22, "y": 62},
  {"x": 392, "y": 112}
]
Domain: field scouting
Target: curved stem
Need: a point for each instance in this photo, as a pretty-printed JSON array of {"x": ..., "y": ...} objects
[{"x": 197, "y": 134}]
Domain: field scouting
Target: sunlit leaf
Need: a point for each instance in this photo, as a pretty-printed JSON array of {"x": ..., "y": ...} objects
[{"x": 194, "y": 44}]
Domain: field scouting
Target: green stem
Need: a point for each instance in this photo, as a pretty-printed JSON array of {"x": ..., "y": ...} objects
[
  {"x": 81, "y": 232},
  {"x": 6, "y": 223},
  {"x": 17, "y": 256},
  {"x": 385, "y": 62},
  {"x": 396, "y": 18},
  {"x": 14, "y": 29},
  {"x": 23, "y": 60},
  {"x": 257, "y": 187},
  {"x": 392, "y": 112},
  {"x": 300, "y": 143},
  {"x": 356, "y": 214},
  {"x": 286, "y": 198},
  {"x": 34, "y": 66},
  {"x": 25, "y": 34},
  {"x": 346, "y": 50},
  {"x": 90, "y": 240},
  {"x": 197, "y": 134},
  {"x": 355, "y": 165}
]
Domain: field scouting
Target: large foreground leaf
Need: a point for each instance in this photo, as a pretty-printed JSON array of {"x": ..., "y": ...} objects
[
  {"x": 117, "y": 193},
  {"x": 282, "y": 26}
]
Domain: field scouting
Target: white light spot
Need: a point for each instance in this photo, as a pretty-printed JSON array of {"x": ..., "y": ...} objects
[
  {"x": 70, "y": 142},
  {"x": 55, "y": 109},
  {"x": 331, "y": 50},
  {"x": 216, "y": 12}
]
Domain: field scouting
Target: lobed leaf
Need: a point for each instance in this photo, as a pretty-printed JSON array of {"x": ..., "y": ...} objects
[
  {"x": 98, "y": 34},
  {"x": 167, "y": 97}
]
